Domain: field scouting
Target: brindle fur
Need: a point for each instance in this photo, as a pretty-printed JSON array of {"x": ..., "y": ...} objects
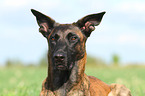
[{"x": 67, "y": 57}]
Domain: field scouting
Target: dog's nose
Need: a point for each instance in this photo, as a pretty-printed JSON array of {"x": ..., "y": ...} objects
[{"x": 59, "y": 57}]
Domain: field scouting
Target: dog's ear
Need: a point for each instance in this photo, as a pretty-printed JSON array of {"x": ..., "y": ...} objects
[
  {"x": 45, "y": 22},
  {"x": 87, "y": 24}
]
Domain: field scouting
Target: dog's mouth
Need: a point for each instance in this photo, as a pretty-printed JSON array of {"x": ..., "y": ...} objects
[
  {"x": 60, "y": 65},
  {"x": 63, "y": 66}
]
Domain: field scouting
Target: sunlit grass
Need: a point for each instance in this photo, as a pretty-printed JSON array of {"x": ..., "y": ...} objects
[
  {"x": 26, "y": 81},
  {"x": 21, "y": 81}
]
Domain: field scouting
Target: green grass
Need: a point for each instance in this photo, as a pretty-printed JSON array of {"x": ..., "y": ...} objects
[
  {"x": 27, "y": 81},
  {"x": 21, "y": 81}
]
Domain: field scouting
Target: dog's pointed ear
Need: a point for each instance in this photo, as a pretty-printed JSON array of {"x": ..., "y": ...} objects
[
  {"x": 87, "y": 24},
  {"x": 45, "y": 22}
]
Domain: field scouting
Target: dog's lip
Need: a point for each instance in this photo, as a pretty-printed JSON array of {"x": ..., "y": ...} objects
[{"x": 60, "y": 66}]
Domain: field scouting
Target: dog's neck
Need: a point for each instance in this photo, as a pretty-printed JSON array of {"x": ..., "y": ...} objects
[{"x": 65, "y": 79}]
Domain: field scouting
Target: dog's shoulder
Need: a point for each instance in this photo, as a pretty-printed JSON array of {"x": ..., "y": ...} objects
[{"x": 98, "y": 87}]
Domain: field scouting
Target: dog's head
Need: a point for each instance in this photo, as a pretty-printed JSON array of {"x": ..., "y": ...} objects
[{"x": 66, "y": 41}]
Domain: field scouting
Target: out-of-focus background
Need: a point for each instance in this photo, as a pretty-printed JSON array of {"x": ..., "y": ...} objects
[{"x": 116, "y": 49}]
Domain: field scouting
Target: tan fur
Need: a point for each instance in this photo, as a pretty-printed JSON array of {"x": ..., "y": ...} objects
[
  {"x": 98, "y": 88},
  {"x": 119, "y": 90}
]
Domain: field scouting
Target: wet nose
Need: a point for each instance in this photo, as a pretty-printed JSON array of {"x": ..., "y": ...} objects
[{"x": 59, "y": 57}]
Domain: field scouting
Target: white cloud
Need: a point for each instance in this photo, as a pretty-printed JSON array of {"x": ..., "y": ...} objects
[
  {"x": 132, "y": 7},
  {"x": 123, "y": 37},
  {"x": 127, "y": 38},
  {"x": 14, "y": 3},
  {"x": 135, "y": 10}
]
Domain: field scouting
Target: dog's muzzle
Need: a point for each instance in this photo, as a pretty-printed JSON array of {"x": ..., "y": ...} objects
[{"x": 60, "y": 60}]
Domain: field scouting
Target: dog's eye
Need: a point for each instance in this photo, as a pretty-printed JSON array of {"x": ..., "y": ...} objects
[
  {"x": 73, "y": 38},
  {"x": 52, "y": 38}
]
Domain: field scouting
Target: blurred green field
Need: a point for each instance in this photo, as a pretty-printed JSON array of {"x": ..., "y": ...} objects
[{"x": 26, "y": 81}]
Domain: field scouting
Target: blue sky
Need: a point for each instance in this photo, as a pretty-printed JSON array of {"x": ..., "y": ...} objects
[{"x": 122, "y": 30}]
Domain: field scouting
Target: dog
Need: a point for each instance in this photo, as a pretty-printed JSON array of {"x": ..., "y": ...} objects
[{"x": 67, "y": 58}]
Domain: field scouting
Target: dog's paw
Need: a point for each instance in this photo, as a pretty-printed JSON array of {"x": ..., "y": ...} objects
[{"x": 119, "y": 90}]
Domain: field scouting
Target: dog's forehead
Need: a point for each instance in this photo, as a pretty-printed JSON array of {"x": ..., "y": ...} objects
[{"x": 64, "y": 29}]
